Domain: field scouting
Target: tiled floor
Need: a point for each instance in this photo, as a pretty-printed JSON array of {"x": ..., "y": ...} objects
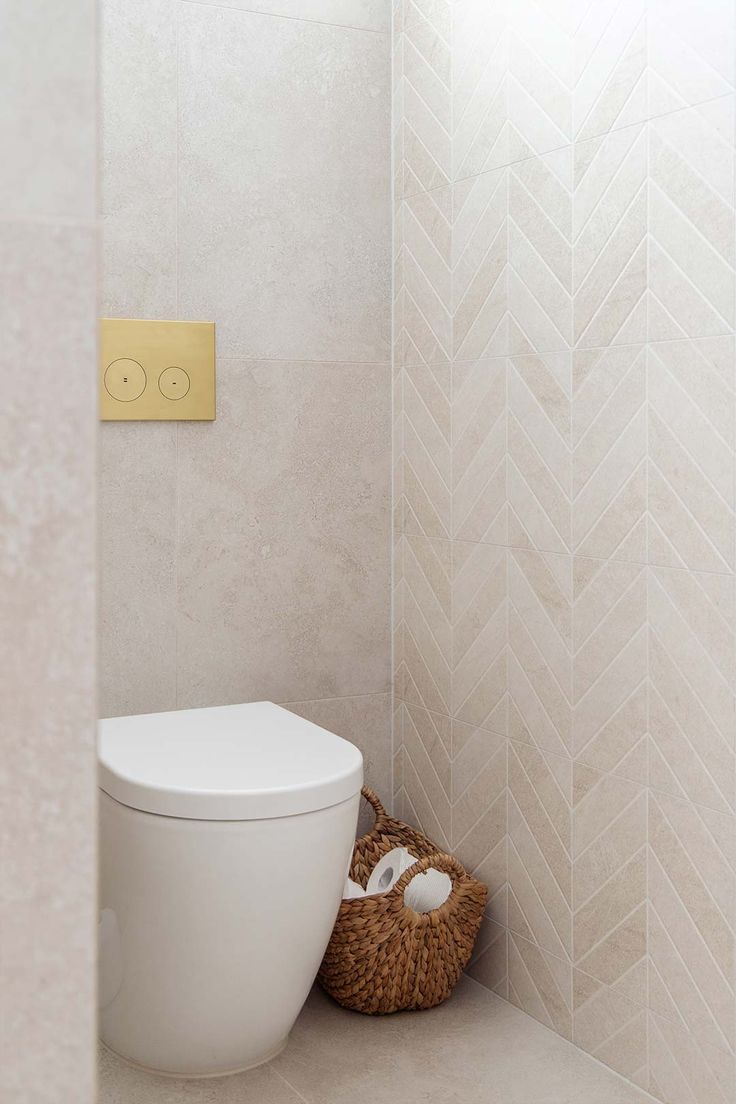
[{"x": 476, "y": 1049}]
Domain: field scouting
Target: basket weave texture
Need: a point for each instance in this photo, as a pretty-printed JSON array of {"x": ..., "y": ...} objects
[{"x": 384, "y": 957}]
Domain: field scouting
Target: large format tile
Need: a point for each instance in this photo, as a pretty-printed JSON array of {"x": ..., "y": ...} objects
[
  {"x": 48, "y": 581},
  {"x": 366, "y": 722},
  {"x": 139, "y": 154},
  {"x": 138, "y": 568},
  {"x": 291, "y": 260},
  {"x": 475, "y": 1049},
  {"x": 284, "y": 536},
  {"x": 367, "y": 15},
  {"x": 120, "y": 1083},
  {"x": 48, "y": 124}
]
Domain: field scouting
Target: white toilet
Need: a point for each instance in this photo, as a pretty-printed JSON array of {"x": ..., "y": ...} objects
[{"x": 225, "y": 839}]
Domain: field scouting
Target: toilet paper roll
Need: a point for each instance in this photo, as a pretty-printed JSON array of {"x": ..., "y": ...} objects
[
  {"x": 352, "y": 890},
  {"x": 428, "y": 891},
  {"x": 388, "y": 870}
]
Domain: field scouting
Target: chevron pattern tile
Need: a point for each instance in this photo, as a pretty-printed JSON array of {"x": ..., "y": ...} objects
[
  {"x": 426, "y": 99},
  {"x": 540, "y": 650},
  {"x": 540, "y": 984},
  {"x": 681, "y": 1072},
  {"x": 426, "y": 743},
  {"x": 610, "y": 881},
  {"x": 481, "y": 325},
  {"x": 610, "y": 1027},
  {"x": 691, "y": 446},
  {"x": 610, "y": 239},
  {"x": 479, "y": 810},
  {"x": 691, "y": 222},
  {"x": 609, "y": 440},
  {"x": 479, "y": 451},
  {"x": 692, "y": 937},
  {"x": 422, "y": 274},
  {"x": 539, "y": 467},
  {"x": 489, "y": 963},
  {"x": 426, "y": 468},
  {"x": 691, "y": 670},
  {"x": 480, "y": 138},
  {"x": 691, "y": 53},
  {"x": 479, "y": 625},
  {"x": 423, "y": 635},
  {"x": 610, "y": 667}
]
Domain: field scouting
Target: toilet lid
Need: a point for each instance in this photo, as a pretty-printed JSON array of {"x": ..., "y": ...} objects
[{"x": 231, "y": 762}]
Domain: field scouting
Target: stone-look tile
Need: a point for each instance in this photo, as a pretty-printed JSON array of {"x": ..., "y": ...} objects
[
  {"x": 539, "y": 462},
  {"x": 540, "y": 984},
  {"x": 426, "y": 122},
  {"x": 48, "y": 125},
  {"x": 610, "y": 75},
  {"x": 480, "y": 138},
  {"x": 610, "y": 239},
  {"x": 610, "y": 667},
  {"x": 301, "y": 269},
  {"x": 610, "y": 1027},
  {"x": 479, "y": 629},
  {"x": 692, "y": 678},
  {"x": 138, "y": 568},
  {"x": 481, "y": 327},
  {"x": 366, "y": 722},
  {"x": 609, "y": 837},
  {"x": 422, "y": 274},
  {"x": 539, "y": 60},
  {"x": 426, "y": 744},
  {"x": 692, "y": 905},
  {"x": 489, "y": 962},
  {"x": 479, "y": 810},
  {"x": 539, "y": 649},
  {"x": 692, "y": 436},
  {"x": 139, "y": 158},
  {"x": 609, "y": 437},
  {"x": 479, "y": 451},
  {"x": 426, "y": 472},
  {"x": 691, "y": 278},
  {"x": 284, "y": 536},
  {"x": 539, "y": 857},
  {"x": 683, "y": 1072},
  {"x": 121, "y": 1083},
  {"x": 363, "y": 15},
  {"x": 691, "y": 53},
  {"x": 48, "y": 787},
  {"x": 423, "y": 637},
  {"x": 540, "y": 249},
  {"x": 475, "y": 1049}
]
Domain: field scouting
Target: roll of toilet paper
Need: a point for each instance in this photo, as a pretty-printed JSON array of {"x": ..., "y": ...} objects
[
  {"x": 428, "y": 891},
  {"x": 352, "y": 890},
  {"x": 388, "y": 870}
]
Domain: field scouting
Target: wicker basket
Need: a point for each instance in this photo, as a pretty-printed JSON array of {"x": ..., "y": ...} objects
[{"x": 384, "y": 957}]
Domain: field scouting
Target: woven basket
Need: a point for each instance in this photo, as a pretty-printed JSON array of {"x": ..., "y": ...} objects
[{"x": 384, "y": 957}]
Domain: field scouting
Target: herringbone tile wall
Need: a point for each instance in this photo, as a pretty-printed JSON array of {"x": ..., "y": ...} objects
[{"x": 564, "y": 505}]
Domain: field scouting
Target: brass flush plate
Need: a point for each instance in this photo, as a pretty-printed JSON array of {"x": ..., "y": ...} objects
[{"x": 157, "y": 371}]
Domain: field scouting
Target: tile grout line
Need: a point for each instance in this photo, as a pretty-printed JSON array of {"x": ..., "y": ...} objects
[
  {"x": 286, "y": 1081},
  {"x": 280, "y": 15}
]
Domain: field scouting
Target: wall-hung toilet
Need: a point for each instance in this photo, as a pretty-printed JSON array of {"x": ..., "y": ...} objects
[{"x": 225, "y": 838}]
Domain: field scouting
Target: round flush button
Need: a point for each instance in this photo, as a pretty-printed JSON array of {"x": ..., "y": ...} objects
[
  {"x": 125, "y": 380},
  {"x": 173, "y": 383}
]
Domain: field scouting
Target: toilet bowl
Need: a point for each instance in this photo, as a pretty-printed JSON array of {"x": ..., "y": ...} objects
[{"x": 225, "y": 837}]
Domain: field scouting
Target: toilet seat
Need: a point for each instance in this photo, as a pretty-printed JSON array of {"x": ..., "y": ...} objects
[{"x": 255, "y": 761}]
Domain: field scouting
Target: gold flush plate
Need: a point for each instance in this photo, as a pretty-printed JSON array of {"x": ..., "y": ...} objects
[{"x": 156, "y": 371}]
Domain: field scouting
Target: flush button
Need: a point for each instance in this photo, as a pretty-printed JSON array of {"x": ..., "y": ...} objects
[
  {"x": 125, "y": 380},
  {"x": 173, "y": 383}
]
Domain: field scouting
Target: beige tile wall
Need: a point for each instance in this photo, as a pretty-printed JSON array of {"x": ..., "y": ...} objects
[
  {"x": 246, "y": 180},
  {"x": 564, "y": 440},
  {"x": 48, "y": 311}
]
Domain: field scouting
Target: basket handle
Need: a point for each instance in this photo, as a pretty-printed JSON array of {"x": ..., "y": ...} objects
[
  {"x": 373, "y": 799},
  {"x": 440, "y": 861}
]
